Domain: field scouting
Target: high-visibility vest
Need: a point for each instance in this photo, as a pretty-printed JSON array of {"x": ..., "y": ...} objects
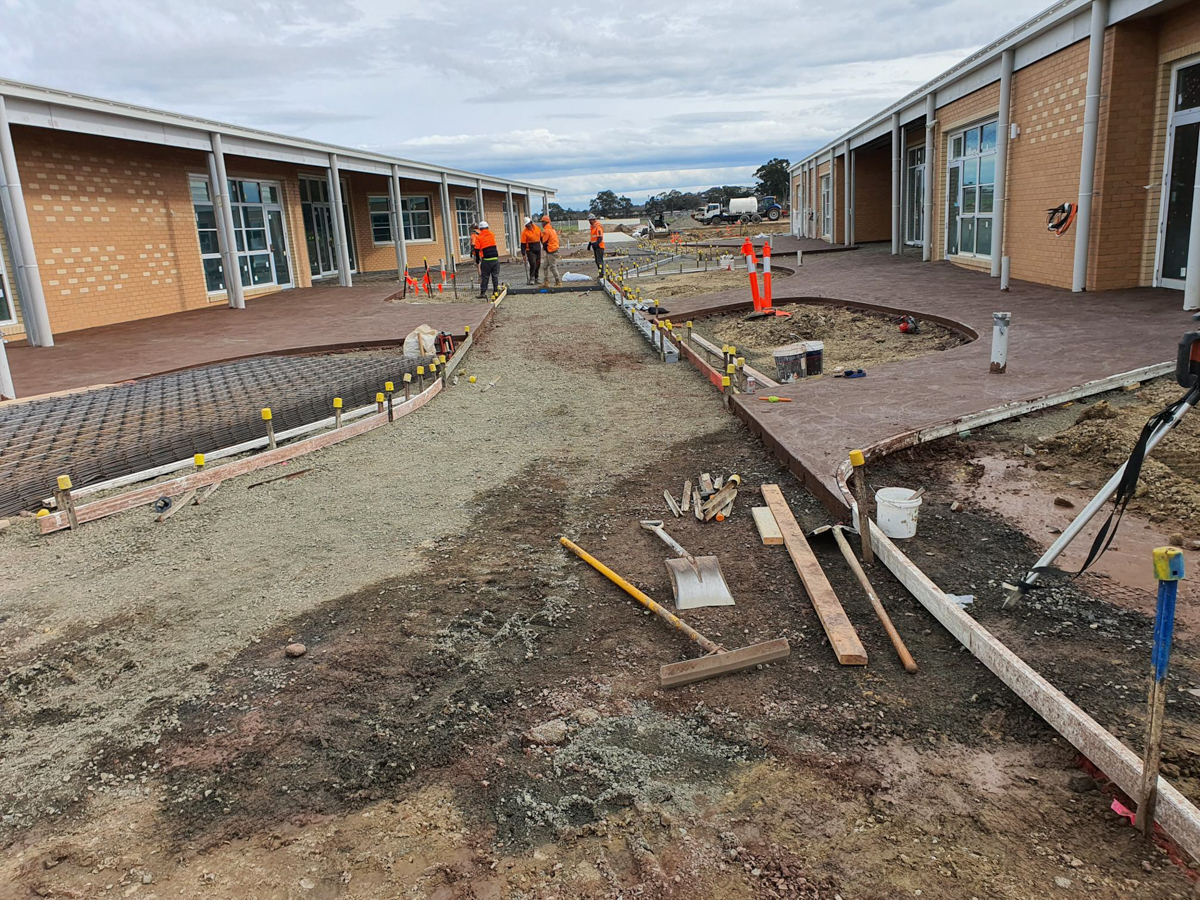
[
  {"x": 550, "y": 239},
  {"x": 531, "y": 235},
  {"x": 598, "y": 234},
  {"x": 485, "y": 243}
]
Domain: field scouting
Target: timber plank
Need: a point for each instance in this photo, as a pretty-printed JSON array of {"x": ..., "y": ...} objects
[
  {"x": 842, "y": 636},
  {"x": 768, "y": 528}
]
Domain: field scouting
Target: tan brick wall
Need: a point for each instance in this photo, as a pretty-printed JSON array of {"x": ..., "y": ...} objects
[{"x": 873, "y": 194}]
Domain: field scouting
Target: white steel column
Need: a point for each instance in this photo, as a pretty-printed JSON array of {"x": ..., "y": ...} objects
[
  {"x": 896, "y": 153},
  {"x": 223, "y": 207},
  {"x": 1087, "y": 156},
  {"x": 930, "y": 177},
  {"x": 397, "y": 197},
  {"x": 848, "y": 214},
  {"x": 479, "y": 216},
  {"x": 225, "y": 239},
  {"x": 511, "y": 215},
  {"x": 832, "y": 196},
  {"x": 814, "y": 194},
  {"x": 31, "y": 279},
  {"x": 7, "y": 391},
  {"x": 339, "y": 222},
  {"x": 545, "y": 204},
  {"x": 1001, "y": 189},
  {"x": 1191, "y": 284},
  {"x": 449, "y": 235}
]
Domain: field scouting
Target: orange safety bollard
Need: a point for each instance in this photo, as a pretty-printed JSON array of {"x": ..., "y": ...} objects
[
  {"x": 767, "y": 275},
  {"x": 752, "y": 270}
]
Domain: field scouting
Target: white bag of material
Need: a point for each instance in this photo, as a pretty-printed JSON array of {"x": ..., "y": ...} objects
[
  {"x": 421, "y": 341},
  {"x": 575, "y": 276}
]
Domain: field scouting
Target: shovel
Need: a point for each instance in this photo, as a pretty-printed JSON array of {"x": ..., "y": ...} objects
[{"x": 695, "y": 580}]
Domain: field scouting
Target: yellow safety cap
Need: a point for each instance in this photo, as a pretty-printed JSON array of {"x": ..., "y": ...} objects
[
  {"x": 468, "y": 329},
  {"x": 379, "y": 396},
  {"x": 1168, "y": 564},
  {"x": 442, "y": 358},
  {"x": 198, "y": 460},
  {"x": 689, "y": 324},
  {"x": 407, "y": 377},
  {"x": 724, "y": 381},
  {"x": 433, "y": 367},
  {"x": 420, "y": 370},
  {"x": 337, "y": 402},
  {"x": 42, "y": 513},
  {"x": 64, "y": 482},
  {"x": 730, "y": 368},
  {"x": 389, "y": 386},
  {"x": 857, "y": 458},
  {"x": 741, "y": 361},
  {"x": 471, "y": 379},
  {"x": 732, "y": 350},
  {"x": 266, "y": 413}
]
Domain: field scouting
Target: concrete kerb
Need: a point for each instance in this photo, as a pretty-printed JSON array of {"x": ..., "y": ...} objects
[{"x": 649, "y": 328}]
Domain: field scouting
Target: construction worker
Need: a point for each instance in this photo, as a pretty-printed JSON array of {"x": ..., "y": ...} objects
[
  {"x": 474, "y": 239},
  {"x": 489, "y": 259},
  {"x": 549, "y": 254},
  {"x": 531, "y": 249},
  {"x": 596, "y": 241}
]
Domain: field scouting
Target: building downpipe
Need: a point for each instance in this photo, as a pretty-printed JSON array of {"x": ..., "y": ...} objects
[
  {"x": 234, "y": 294},
  {"x": 339, "y": 222},
  {"x": 1002, "y": 136},
  {"x": 896, "y": 152},
  {"x": 397, "y": 197},
  {"x": 29, "y": 277},
  {"x": 848, "y": 214},
  {"x": 447, "y": 224},
  {"x": 832, "y": 196},
  {"x": 1087, "y": 156}
]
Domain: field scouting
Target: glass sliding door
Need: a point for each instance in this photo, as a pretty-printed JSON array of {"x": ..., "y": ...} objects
[
  {"x": 465, "y": 215},
  {"x": 914, "y": 182},
  {"x": 1183, "y": 144},
  {"x": 971, "y": 192},
  {"x": 319, "y": 236},
  {"x": 259, "y": 231},
  {"x": 826, "y": 208}
]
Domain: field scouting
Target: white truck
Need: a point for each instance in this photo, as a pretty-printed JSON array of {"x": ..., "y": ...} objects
[{"x": 740, "y": 209}]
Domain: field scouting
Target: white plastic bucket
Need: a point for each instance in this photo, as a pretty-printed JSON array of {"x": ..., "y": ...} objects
[
  {"x": 896, "y": 512},
  {"x": 726, "y": 263}
]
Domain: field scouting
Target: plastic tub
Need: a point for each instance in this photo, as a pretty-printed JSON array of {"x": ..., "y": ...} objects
[{"x": 896, "y": 512}]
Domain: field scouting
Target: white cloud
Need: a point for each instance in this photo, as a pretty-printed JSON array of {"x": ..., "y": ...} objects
[{"x": 623, "y": 95}]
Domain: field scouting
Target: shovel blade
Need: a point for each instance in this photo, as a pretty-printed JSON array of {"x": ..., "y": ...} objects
[
  {"x": 688, "y": 671},
  {"x": 703, "y": 585}
]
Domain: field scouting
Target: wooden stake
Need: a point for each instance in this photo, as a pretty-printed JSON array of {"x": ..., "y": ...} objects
[
  {"x": 671, "y": 503},
  {"x": 203, "y": 495},
  {"x": 768, "y": 529},
  {"x": 64, "y": 502},
  {"x": 407, "y": 386},
  {"x": 174, "y": 507},
  {"x": 388, "y": 389},
  {"x": 1168, "y": 570},
  {"x": 697, "y": 504},
  {"x": 687, "y": 496},
  {"x": 378, "y": 401},
  {"x": 865, "y": 507},
  {"x": 706, "y": 485},
  {"x": 337, "y": 412},
  {"x": 910, "y": 664}
]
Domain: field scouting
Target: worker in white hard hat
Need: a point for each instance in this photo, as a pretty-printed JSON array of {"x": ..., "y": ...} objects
[
  {"x": 596, "y": 241},
  {"x": 489, "y": 258}
]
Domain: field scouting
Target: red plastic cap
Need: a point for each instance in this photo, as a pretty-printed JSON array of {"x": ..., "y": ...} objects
[
  {"x": 747, "y": 247},
  {"x": 766, "y": 249}
]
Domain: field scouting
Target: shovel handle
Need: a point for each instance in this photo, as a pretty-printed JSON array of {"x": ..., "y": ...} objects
[
  {"x": 670, "y": 618},
  {"x": 671, "y": 542},
  {"x": 910, "y": 664}
]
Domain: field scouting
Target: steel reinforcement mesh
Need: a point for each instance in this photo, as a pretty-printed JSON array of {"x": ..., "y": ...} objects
[{"x": 128, "y": 428}]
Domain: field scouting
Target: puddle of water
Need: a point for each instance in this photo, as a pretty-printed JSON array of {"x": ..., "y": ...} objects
[{"x": 1008, "y": 488}]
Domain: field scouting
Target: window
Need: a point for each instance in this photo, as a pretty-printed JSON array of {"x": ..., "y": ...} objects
[
  {"x": 465, "y": 215},
  {"x": 418, "y": 218},
  {"x": 971, "y": 191},
  {"x": 509, "y": 215},
  {"x": 914, "y": 184},
  {"x": 259, "y": 234},
  {"x": 826, "y": 208},
  {"x": 380, "y": 208}
]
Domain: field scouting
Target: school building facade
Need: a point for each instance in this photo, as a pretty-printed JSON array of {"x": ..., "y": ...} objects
[
  {"x": 112, "y": 212},
  {"x": 1093, "y": 103}
]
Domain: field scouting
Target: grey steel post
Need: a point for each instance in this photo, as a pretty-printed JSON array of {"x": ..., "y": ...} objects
[
  {"x": 223, "y": 205},
  {"x": 511, "y": 217},
  {"x": 31, "y": 278},
  {"x": 339, "y": 222},
  {"x": 448, "y": 224},
  {"x": 479, "y": 216},
  {"x": 545, "y": 204},
  {"x": 225, "y": 240},
  {"x": 1191, "y": 284},
  {"x": 1087, "y": 155},
  {"x": 7, "y": 391},
  {"x": 1001, "y": 191},
  {"x": 397, "y": 198},
  {"x": 896, "y": 152},
  {"x": 848, "y": 195},
  {"x": 927, "y": 200},
  {"x": 832, "y": 196}
]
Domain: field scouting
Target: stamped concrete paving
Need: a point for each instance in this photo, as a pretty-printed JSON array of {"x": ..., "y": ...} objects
[{"x": 1058, "y": 340}]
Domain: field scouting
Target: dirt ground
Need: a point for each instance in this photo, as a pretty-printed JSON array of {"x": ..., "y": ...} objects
[
  {"x": 853, "y": 339},
  {"x": 155, "y": 740},
  {"x": 664, "y": 287}
]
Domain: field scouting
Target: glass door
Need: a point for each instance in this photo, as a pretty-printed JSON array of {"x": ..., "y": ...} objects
[
  {"x": 914, "y": 218},
  {"x": 317, "y": 211},
  {"x": 826, "y": 210},
  {"x": 971, "y": 192},
  {"x": 464, "y": 217},
  {"x": 1183, "y": 144},
  {"x": 954, "y": 182}
]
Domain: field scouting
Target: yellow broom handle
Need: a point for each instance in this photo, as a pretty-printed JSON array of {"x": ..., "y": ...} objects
[{"x": 641, "y": 598}]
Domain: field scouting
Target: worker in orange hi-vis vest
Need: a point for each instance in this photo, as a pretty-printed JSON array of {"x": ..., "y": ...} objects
[
  {"x": 531, "y": 249},
  {"x": 489, "y": 259},
  {"x": 549, "y": 254},
  {"x": 596, "y": 241}
]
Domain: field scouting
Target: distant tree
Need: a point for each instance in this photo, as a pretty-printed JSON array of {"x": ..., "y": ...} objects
[
  {"x": 557, "y": 213},
  {"x": 608, "y": 204},
  {"x": 774, "y": 179}
]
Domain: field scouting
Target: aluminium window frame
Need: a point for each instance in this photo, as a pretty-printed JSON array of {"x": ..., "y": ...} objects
[
  {"x": 953, "y": 161},
  {"x": 371, "y": 214},
  {"x": 213, "y": 296},
  {"x": 428, "y": 198},
  {"x": 1164, "y": 203}
]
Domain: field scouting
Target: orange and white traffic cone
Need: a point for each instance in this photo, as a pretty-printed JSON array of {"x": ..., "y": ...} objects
[{"x": 752, "y": 271}]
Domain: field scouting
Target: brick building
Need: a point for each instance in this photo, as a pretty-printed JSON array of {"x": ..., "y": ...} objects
[
  {"x": 1095, "y": 103},
  {"x": 113, "y": 212}
]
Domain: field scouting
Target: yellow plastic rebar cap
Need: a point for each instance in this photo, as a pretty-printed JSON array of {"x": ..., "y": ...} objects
[
  {"x": 64, "y": 482},
  {"x": 857, "y": 458},
  {"x": 266, "y": 413}
]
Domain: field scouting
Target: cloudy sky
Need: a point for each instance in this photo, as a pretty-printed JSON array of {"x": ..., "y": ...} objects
[{"x": 636, "y": 97}]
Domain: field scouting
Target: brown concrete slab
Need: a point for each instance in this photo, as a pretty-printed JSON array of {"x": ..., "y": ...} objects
[
  {"x": 1058, "y": 340},
  {"x": 306, "y": 319},
  {"x": 784, "y": 244}
]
